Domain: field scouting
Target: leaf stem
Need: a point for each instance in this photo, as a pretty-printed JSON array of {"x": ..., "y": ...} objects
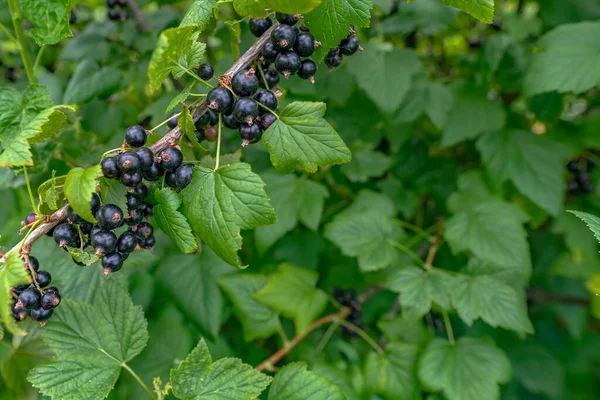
[
  {"x": 327, "y": 336},
  {"x": 196, "y": 77},
  {"x": 262, "y": 73},
  {"x": 20, "y": 35},
  {"x": 408, "y": 251},
  {"x": 8, "y": 34},
  {"x": 281, "y": 332},
  {"x": 268, "y": 109},
  {"x": 219, "y": 142},
  {"x": 137, "y": 378},
  {"x": 30, "y": 192},
  {"x": 165, "y": 121},
  {"x": 448, "y": 326},
  {"x": 38, "y": 58},
  {"x": 416, "y": 229},
  {"x": 363, "y": 335}
]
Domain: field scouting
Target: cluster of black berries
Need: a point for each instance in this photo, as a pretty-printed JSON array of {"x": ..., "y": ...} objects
[
  {"x": 347, "y": 47},
  {"x": 116, "y": 10},
  {"x": 347, "y": 298},
  {"x": 580, "y": 179},
  {"x": 36, "y": 302}
]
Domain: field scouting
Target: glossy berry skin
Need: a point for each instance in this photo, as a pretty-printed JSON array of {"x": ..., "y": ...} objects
[
  {"x": 250, "y": 134},
  {"x": 35, "y": 264},
  {"x": 110, "y": 168},
  {"x": 220, "y": 100},
  {"x": 245, "y": 83},
  {"x": 146, "y": 157},
  {"x": 171, "y": 158},
  {"x": 144, "y": 230},
  {"x": 43, "y": 278},
  {"x": 267, "y": 120},
  {"x": 29, "y": 299},
  {"x": 199, "y": 135},
  {"x": 147, "y": 243},
  {"x": 203, "y": 121},
  {"x": 183, "y": 175},
  {"x": 272, "y": 78},
  {"x": 334, "y": 61},
  {"x": 95, "y": 203},
  {"x": 287, "y": 19},
  {"x": 135, "y": 216},
  {"x": 109, "y": 216},
  {"x": 288, "y": 63},
  {"x": 30, "y": 219},
  {"x": 112, "y": 262},
  {"x": 18, "y": 313},
  {"x": 214, "y": 117},
  {"x": 50, "y": 300},
  {"x": 304, "y": 44},
  {"x": 146, "y": 209},
  {"x": 41, "y": 314},
  {"x": 131, "y": 180},
  {"x": 129, "y": 162},
  {"x": 349, "y": 46},
  {"x": 74, "y": 217},
  {"x": 133, "y": 202},
  {"x": 283, "y": 37},
  {"x": 66, "y": 235},
  {"x": 94, "y": 230},
  {"x": 307, "y": 70},
  {"x": 172, "y": 122},
  {"x": 258, "y": 26},
  {"x": 206, "y": 71},
  {"x": 170, "y": 179},
  {"x": 104, "y": 241},
  {"x": 269, "y": 52},
  {"x": 230, "y": 121},
  {"x": 141, "y": 191},
  {"x": 126, "y": 242},
  {"x": 267, "y": 99},
  {"x": 135, "y": 136},
  {"x": 245, "y": 110},
  {"x": 86, "y": 227}
]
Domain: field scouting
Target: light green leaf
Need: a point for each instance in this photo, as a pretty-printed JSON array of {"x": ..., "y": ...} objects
[
  {"x": 113, "y": 191},
  {"x": 235, "y": 32},
  {"x": 47, "y": 192},
  {"x": 50, "y": 19},
  {"x": 250, "y": 8},
  {"x": 91, "y": 343},
  {"x": 180, "y": 97},
  {"x": 301, "y": 136},
  {"x": 292, "y": 291},
  {"x": 79, "y": 187},
  {"x": 90, "y": 80},
  {"x": 292, "y": 6},
  {"x": 218, "y": 204},
  {"x": 199, "y": 14},
  {"x": 483, "y": 366},
  {"x": 295, "y": 382},
  {"x": 199, "y": 378},
  {"x": 591, "y": 221},
  {"x": 186, "y": 124},
  {"x": 258, "y": 321},
  {"x": 480, "y": 9},
  {"x": 366, "y": 164},
  {"x": 12, "y": 274},
  {"x": 191, "y": 60},
  {"x": 86, "y": 256},
  {"x": 569, "y": 62},
  {"x": 393, "y": 375},
  {"x": 170, "y": 220}
]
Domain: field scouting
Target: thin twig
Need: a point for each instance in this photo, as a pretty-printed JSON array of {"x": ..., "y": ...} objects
[
  {"x": 434, "y": 248},
  {"x": 138, "y": 15},
  {"x": 538, "y": 296}
]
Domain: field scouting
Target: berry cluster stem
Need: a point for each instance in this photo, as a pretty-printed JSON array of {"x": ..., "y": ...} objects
[
  {"x": 219, "y": 142},
  {"x": 35, "y": 210},
  {"x": 15, "y": 13}
]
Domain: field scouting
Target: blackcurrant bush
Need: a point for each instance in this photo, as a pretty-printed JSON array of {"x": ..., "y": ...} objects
[
  {"x": 50, "y": 300},
  {"x": 110, "y": 168},
  {"x": 230, "y": 121},
  {"x": 104, "y": 241},
  {"x": 144, "y": 230},
  {"x": 129, "y": 162},
  {"x": 73, "y": 216},
  {"x": 349, "y": 45},
  {"x": 136, "y": 136},
  {"x": 109, "y": 216},
  {"x": 245, "y": 83},
  {"x": 172, "y": 122},
  {"x": 267, "y": 99},
  {"x": 171, "y": 179},
  {"x": 308, "y": 69},
  {"x": 272, "y": 78},
  {"x": 269, "y": 52},
  {"x": 206, "y": 71},
  {"x": 220, "y": 100},
  {"x": 304, "y": 44},
  {"x": 288, "y": 63},
  {"x": 35, "y": 264},
  {"x": 112, "y": 262},
  {"x": 29, "y": 299},
  {"x": 245, "y": 110},
  {"x": 135, "y": 217},
  {"x": 147, "y": 243},
  {"x": 41, "y": 314},
  {"x": 133, "y": 202},
  {"x": 66, "y": 235},
  {"x": 283, "y": 37},
  {"x": 183, "y": 175},
  {"x": 146, "y": 209},
  {"x": 171, "y": 158},
  {"x": 141, "y": 191},
  {"x": 126, "y": 242},
  {"x": 131, "y": 180},
  {"x": 334, "y": 61},
  {"x": 199, "y": 135},
  {"x": 43, "y": 278},
  {"x": 287, "y": 19},
  {"x": 267, "y": 120},
  {"x": 258, "y": 26},
  {"x": 250, "y": 134},
  {"x": 146, "y": 157}
]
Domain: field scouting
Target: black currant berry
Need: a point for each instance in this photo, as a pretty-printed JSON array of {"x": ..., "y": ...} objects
[
  {"x": 288, "y": 63},
  {"x": 206, "y": 71},
  {"x": 86, "y": 227},
  {"x": 29, "y": 219},
  {"x": 183, "y": 175},
  {"x": 147, "y": 243},
  {"x": 258, "y": 26},
  {"x": 171, "y": 158},
  {"x": 72, "y": 17},
  {"x": 126, "y": 242},
  {"x": 214, "y": 117},
  {"x": 245, "y": 83},
  {"x": 111, "y": 3},
  {"x": 269, "y": 52},
  {"x": 146, "y": 157},
  {"x": 307, "y": 70},
  {"x": 245, "y": 110},
  {"x": 29, "y": 299},
  {"x": 199, "y": 135},
  {"x": 129, "y": 162},
  {"x": 52, "y": 289},
  {"x": 220, "y": 100},
  {"x": 19, "y": 288},
  {"x": 35, "y": 264},
  {"x": 144, "y": 230},
  {"x": 73, "y": 216},
  {"x": 272, "y": 78},
  {"x": 304, "y": 44},
  {"x": 94, "y": 230},
  {"x": 230, "y": 121},
  {"x": 334, "y": 61},
  {"x": 95, "y": 203},
  {"x": 135, "y": 217},
  {"x": 170, "y": 179},
  {"x": 133, "y": 202},
  {"x": 131, "y": 180},
  {"x": 43, "y": 278},
  {"x": 141, "y": 191},
  {"x": 50, "y": 300},
  {"x": 267, "y": 120},
  {"x": 18, "y": 313},
  {"x": 136, "y": 136},
  {"x": 267, "y": 99},
  {"x": 66, "y": 235},
  {"x": 574, "y": 166},
  {"x": 109, "y": 216},
  {"x": 110, "y": 168},
  {"x": 112, "y": 262},
  {"x": 349, "y": 45},
  {"x": 208, "y": 118},
  {"x": 116, "y": 15},
  {"x": 250, "y": 134},
  {"x": 146, "y": 209},
  {"x": 172, "y": 122},
  {"x": 283, "y": 37},
  {"x": 104, "y": 241},
  {"x": 41, "y": 314},
  {"x": 287, "y": 19}
]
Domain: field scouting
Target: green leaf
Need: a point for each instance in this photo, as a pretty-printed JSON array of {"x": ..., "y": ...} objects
[
  {"x": 258, "y": 321},
  {"x": 420, "y": 289},
  {"x": 250, "y": 8},
  {"x": 294, "y": 200},
  {"x": 186, "y": 124},
  {"x": 295, "y": 382},
  {"x": 330, "y": 21},
  {"x": 170, "y": 220},
  {"x": 199, "y": 14},
  {"x": 375, "y": 69},
  {"x": 366, "y": 164},
  {"x": 235, "y": 32},
  {"x": 218, "y": 204},
  {"x": 480, "y": 9},
  {"x": 50, "y": 19},
  {"x": 567, "y": 46},
  {"x": 301, "y": 136},
  {"x": 439, "y": 102},
  {"x": 292, "y": 291},
  {"x": 591, "y": 221},
  {"x": 191, "y": 60},
  {"x": 112, "y": 191},
  {"x": 91, "y": 342},
  {"x": 90, "y": 80},
  {"x": 490, "y": 299},
  {"x": 482, "y": 367},
  {"x": 86, "y": 256},
  {"x": 180, "y": 97},
  {"x": 533, "y": 163},
  {"x": 12, "y": 274},
  {"x": 199, "y": 378},
  {"x": 47, "y": 191},
  {"x": 393, "y": 375},
  {"x": 79, "y": 187},
  {"x": 292, "y": 6}
]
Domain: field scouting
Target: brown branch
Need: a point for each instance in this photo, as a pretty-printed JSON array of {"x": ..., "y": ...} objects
[
  {"x": 538, "y": 296},
  {"x": 138, "y": 15},
  {"x": 434, "y": 248},
  {"x": 276, "y": 357}
]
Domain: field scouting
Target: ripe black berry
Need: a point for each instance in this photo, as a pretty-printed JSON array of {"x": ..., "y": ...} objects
[
  {"x": 307, "y": 70},
  {"x": 35, "y": 264},
  {"x": 116, "y": 15},
  {"x": 258, "y": 26},
  {"x": 144, "y": 230},
  {"x": 18, "y": 313},
  {"x": 288, "y": 63},
  {"x": 141, "y": 191},
  {"x": 43, "y": 278},
  {"x": 220, "y": 100},
  {"x": 208, "y": 118},
  {"x": 95, "y": 203},
  {"x": 272, "y": 78},
  {"x": 283, "y": 37},
  {"x": 147, "y": 243},
  {"x": 72, "y": 17},
  {"x": 131, "y": 180},
  {"x": 135, "y": 136},
  {"x": 73, "y": 216},
  {"x": 104, "y": 241},
  {"x": 171, "y": 179},
  {"x": 267, "y": 120},
  {"x": 245, "y": 110},
  {"x": 304, "y": 44},
  {"x": 574, "y": 166},
  {"x": 205, "y": 71},
  {"x": 172, "y": 122},
  {"x": 109, "y": 216},
  {"x": 171, "y": 158},
  {"x": 135, "y": 217},
  {"x": 41, "y": 314},
  {"x": 29, "y": 299},
  {"x": 50, "y": 300},
  {"x": 66, "y": 235},
  {"x": 111, "y": 3},
  {"x": 230, "y": 121},
  {"x": 126, "y": 242},
  {"x": 146, "y": 157},
  {"x": 269, "y": 52},
  {"x": 334, "y": 61},
  {"x": 183, "y": 175},
  {"x": 267, "y": 99},
  {"x": 94, "y": 230},
  {"x": 112, "y": 262},
  {"x": 133, "y": 202},
  {"x": 250, "y": 134},
  {"x": 349, "y": 45},
  {"x": 245, "y": 83},
  {"x": 146, "y": 209},
  {"x": 199, "y": 135},
  {"x": 19, "y": 288},
  {"x": 86, "y": 227},
  {"x": 288, "y": 19},
  {"x": 129, "y": 162},
  {"x": 109, "y": 167}
]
